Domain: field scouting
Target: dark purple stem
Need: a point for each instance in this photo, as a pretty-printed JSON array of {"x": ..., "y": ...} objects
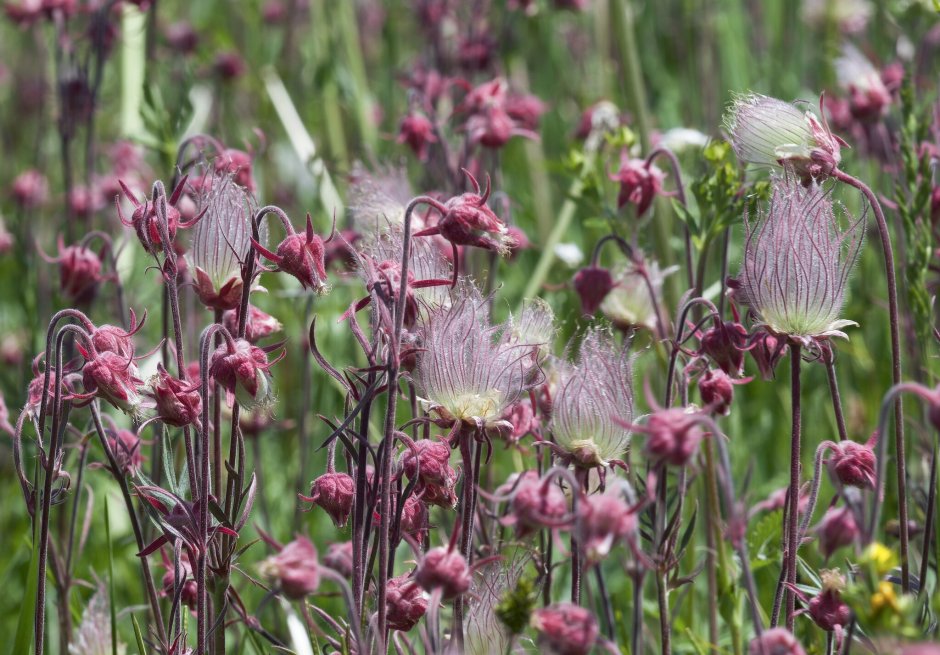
[{"x": 794, "y": 490}]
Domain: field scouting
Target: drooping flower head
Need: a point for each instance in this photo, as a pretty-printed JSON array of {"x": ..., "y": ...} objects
[
  {"x": 407, "y": 603},
  {"x": 589, "y": 394},
  {"x": 640, "y": 182},
  {"x": 295, "y": 568},
  {"x": 797, "y": 261},
  {"x": 869, "y": 98},
  {"x": 566, "y": 629},
  {"x": 145, "y": 218},
  {"x": 178, "y": 401},
  {"x": 446, "y": 570},
  {"x": 79, "y": 271},
  {"x": 469, "y": 370},
  {"x": 241, "y": 369},
  {"x": 221, "y": 241},
  {"x": 300, "y": 254},
  {"x": 770, "y": 132}
]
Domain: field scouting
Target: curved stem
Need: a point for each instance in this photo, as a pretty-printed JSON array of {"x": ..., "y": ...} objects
[
  {"x": 680, "y": 196},
  {"x": 899, "y": 445}
]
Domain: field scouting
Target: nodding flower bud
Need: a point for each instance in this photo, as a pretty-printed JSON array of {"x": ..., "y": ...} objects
[
  {"x": 827, "y": 609},
  {"x": 236, "y": 163},
  {"x": 565, "y": 629},
  {"x": 444, "y": 569},
  {"x": 30, "y": 189},
  {"x": 295, "y": 568},
  {"x": 334, "y": 492},
  {"x": 146, "y": 220},
  {"x": 526, "y": 109},
  {"x": 406, "y": 602},
  {"x": 536, "y": 504},
  {"x": 79, "y": 272},
  {"x": 300, "y": 255},
  {"x": 339, "y": 557},
  {"x": 125, "y": 447},
  {"x": 592, "y": 284},
  {"x": 258, "y": 326},
  {"x": 468, "y": 221},
  {"x": 34, "y": 390},
  {"x": 242, "y": 370},
  {"x": 522, "y": 419},
  {"x": 717, "y": 390},
  {"x": 837, "y": 528},
  {"x": 190, "y": 589},
  {"x": 776, "y": 641},
  {"x": 603, "y": 520},
  {"x": 640, "y": 182},
  {"x": 429, "y": 460},
  {"x": 113, "y": 378},
  {"x": 178, "y": 402},
  {"x": 673, "y": 435},
  {"x": 767, "y": 352},
  {"x": 725, "y": 343},
  {"x": 417, "y": 131},
  {"x": 869, "y": 97},
  {"x": 853, "y": 464},
  {"x": 770, "y": 132}
]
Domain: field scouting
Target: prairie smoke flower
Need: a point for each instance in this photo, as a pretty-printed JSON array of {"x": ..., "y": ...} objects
[
  {"x": 640, "y": 182},
  {"x": 30, "y": 189},
  {"x": 145, "y": 219},
  {"x": 827, "y": 609},
  {"x": 869, "y": 98},
  {"x": 534, "y": 327},
  {"x": 295, "y": 568},
  {"x": 220, "y": 240},
  {"x": 34, "y": 390},
  {"x": 112, "y": 377},
  {"x": 469, "y": 221},
  {"x": 592, "y": 284},
  {"x": 258, "y": 326},
  {"x": 178, "y": 401},
  {"x": 334, "y": 492},
  {"x": 339, "y": 557},
  {"x": 444, "y": 569},
  {"x": 417, "y": 131},
  {"x": 776, "y": 641},
  {"x": 629, "y": 304},
  {"x": 523, "y": 419},
  {"x": 797, "y": 260},
  {"x": 566, "y": 629},
  {"x": 242, "y": 370},
  {"x": 604, "y": 520},
  {"x": 724, "y": 343},
  {"x": 837, "y": 528},
  {"x": 468, "y": 370},
  {"x": 79, "y": 271},
  {"x": 406, "y": 601},
  {"x": 717, "y": 390},
  {"x": 94, "y": 633},
  {"x": 300, "y": 255},
  {"x": 125, "y": 447},
  {"x": 486, "y": 629},
  {"x": 852, "y": 464},
  {"x": 236, "y": 163},
  {"x": 673, "y": 435},
  {"x": 589, "y": 394},
  {"x": 534, "y": 504},
  {"x": 770, "y": 132},
  {"x": 526, "y": 109}
]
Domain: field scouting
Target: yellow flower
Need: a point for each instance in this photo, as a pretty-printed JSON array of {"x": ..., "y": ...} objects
[
  {"x": 881, "y": 557},
  {"x": 884, "y": 597}
]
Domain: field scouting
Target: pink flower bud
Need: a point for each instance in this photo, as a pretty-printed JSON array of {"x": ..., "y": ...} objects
[
  {"x": 125, "y": 446},
  {"x": 717, "y": 390},
  {"x": 406, "y": 603},
  {"x": 334, "y": 492},
  {"x": 85, "y": 201},
  {"x": 592, "y": 285},
  {"x": 146, "y": 222},
  {"x": 339, "y": 557},
  {"x": 767, "y": 352},
  {"x": 446, "y": 570},
  {"x": 300, "y": 255},
  {"x": 236, "y": 163},
  {"x": 603, "y": 520},
  {"x": 565, "y": 629},
  {"x": 853, "y": 464},
  {"x": 430, "y": 460},
  {"x": 295, "y": 568},
  {"x": 526, "y": 109},
  {"x": 258, "y": 326},
  {"x": 673, "y": 436},
  {"x": 178, "y": 402},
  {"x": 229, "y": 65},
  {"x": 724, "y": 343},
  {"x": 827, "y": 609},
  {"x": 30, "y": 189},
  {"x": 113, "y": 378},
  {"x": 468, "y": 221},
  {"x": 639, "y": 183},
  {"x": 776, "y": 641},
  {"x": 181, "y": 37},
  {"x": 521, "y": 416},
  {"x": 417, "y": 131},
  {"x": 242, "y": 370},
  {"x": 535, "y": 504},
  {"x": 836, "y": 529},
  {"x": 79, "y": 272}
]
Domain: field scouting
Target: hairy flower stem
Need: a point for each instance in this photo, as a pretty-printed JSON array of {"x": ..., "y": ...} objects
[
  {"x": 636, "y": 616},
  {"x": 661, "y": 573},
  {"x": 388, "y": 433},
  {"x": 121, "y": 479},
  {"x": 606, "y": 605},
  {"x": 792, "y": 527},
  {"x": 836, "y": 397},
  {"x": 900, "y": 463}
]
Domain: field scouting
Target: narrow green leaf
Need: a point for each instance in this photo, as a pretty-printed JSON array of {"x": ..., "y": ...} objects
[{"x": 141, "y": 648}]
